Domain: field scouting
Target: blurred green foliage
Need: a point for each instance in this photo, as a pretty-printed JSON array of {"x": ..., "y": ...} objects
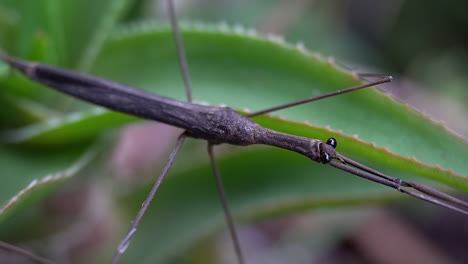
[{"x": 50, "y": 139}]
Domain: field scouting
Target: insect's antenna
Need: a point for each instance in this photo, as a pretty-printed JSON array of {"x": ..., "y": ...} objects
[
  {"x": 126, "y": 241},
  {"x": 24, "y": 252},
  {"x": 384, "y": 79},
  {"x": 224, "y": 202},
  {"x": 180, "y": 50},
  {"x": 422, "y": 192}
]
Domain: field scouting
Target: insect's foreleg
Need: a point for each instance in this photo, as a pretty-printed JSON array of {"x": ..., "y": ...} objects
[
  {"x": 421, "y": 192},
  {"x": 225, "y": 205},
  {"x": 370, "y": 170},
  {"x": 438, "y": 194},
  {"x": 435, "y": 194},
  {"x": 126, "y": 241}
]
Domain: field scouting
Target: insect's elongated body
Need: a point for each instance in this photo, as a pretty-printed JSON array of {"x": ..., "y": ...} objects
[{"x": 215, "y": 124}]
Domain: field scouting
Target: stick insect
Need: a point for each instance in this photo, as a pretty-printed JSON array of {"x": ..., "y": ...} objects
[{"x": 216, "y": 125}]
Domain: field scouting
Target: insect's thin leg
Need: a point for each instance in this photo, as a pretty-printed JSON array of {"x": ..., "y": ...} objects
[
  {"x": 364, "y": 174},
  {"x": 24, "y": 252},
  {"x": 370, "y": 170},
  {"x": 224, "y": 203},
  {"x": 126, "y": 241},
  {"x": 180, "y": 50},
  {"x": 186, "y": 77},
  {"x": 433, "y": 200},
  {"x": 219, "y": 184},
  {"x": 425, "y": 193},
  {"x": 435, "y": 193},
  {"x": 385, "y": 79},
  {"x": 415, "y": 185}
]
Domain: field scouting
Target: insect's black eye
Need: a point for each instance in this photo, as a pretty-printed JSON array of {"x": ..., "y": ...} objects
[
  {"x": 326, "y": 158},
  {"x": 332, "y": 142}
]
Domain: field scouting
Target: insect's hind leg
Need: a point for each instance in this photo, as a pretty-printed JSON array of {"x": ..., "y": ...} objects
[{"x": 225, "y": 205}]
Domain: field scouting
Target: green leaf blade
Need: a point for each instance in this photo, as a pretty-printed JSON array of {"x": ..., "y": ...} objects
[
  {"x": 236, "y": 67},
  {"x": 22, "y": 185}
]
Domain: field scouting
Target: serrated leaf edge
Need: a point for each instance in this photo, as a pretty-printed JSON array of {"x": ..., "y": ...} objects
[
  {"x": 138, "y": 28},
  {"x": 54, "y": 177}
]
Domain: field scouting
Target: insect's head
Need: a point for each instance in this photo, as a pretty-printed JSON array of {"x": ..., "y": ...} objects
[{"x": 327, "y": 150}]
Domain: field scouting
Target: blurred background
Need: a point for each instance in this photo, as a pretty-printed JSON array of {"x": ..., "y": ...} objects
[{"x": 423, "y": 44}]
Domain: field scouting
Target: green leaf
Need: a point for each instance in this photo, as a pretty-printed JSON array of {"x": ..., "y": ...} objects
[
  {"x": 261, "y": 183},
  {"x": 52, "y": 31},
  {"x": 62, "y": 21},
  {"x": 74, "y": 128},
  {"x": 236, "y": 67},
  {"x": 233, "y": 66},
  {"x": 29, "y": 175}
]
